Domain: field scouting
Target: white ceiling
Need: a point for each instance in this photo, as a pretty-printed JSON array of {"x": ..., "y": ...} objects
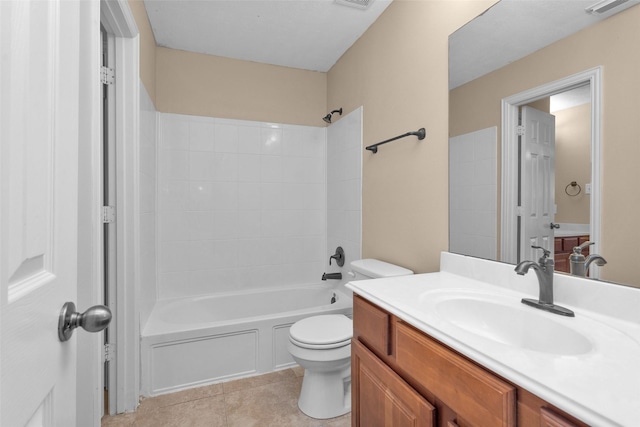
[
  {"x": 571, "y": 98},
  {"x": 305, "y": 34},
  {"x": 512, "y": 29},
  {"x": 314, "y": 34}
]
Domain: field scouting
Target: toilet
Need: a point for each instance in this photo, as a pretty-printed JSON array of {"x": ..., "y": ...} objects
[{"x": 322, "y": 346}]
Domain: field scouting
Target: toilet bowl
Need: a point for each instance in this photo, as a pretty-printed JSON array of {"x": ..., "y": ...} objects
[{"x": 322, "y": 346}]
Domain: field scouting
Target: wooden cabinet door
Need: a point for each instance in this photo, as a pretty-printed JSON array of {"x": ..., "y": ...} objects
[{"x": 381, "y": 398}]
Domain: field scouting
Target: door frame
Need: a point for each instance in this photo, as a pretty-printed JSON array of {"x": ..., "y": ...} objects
[
  {"x": 118, "y": 20},
  {"x": 89, "y": 346},
  {"x": 509, "y": 203}
]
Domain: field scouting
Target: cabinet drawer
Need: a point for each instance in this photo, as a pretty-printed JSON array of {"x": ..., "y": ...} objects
[
  {"x": 371, "y": 325},
  {"x": 548, "y": 418},
  {"x": 569, "y": 243},
  {"x": 557, "y": 245},
  {"x": 473, "y": 393},
  {"x": 536, "y": 412}
]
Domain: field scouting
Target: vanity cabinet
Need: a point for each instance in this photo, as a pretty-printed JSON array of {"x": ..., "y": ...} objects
[{"x": 402, "y": 376}]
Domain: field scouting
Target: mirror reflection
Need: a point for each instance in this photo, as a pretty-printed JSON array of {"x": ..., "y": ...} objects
[{"x": 506, "y": 195}]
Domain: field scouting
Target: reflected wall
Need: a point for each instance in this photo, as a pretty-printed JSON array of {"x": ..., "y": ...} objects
[{"x": 610, "y": 44}]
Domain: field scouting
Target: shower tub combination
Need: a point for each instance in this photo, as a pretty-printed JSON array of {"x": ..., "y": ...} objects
[{"x": 190, "y": 342}]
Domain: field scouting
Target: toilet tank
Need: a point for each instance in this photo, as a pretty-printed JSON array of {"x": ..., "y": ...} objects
[{"x": 375, "y": 269}]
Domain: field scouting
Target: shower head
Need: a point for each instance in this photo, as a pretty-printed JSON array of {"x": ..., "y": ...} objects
[{"x": 327, "y": 118}]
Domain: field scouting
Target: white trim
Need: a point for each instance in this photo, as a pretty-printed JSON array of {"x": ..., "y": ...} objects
[
  {"x": 119, "y": 21},
  {"x": 510, "y": 156},
  {"x": 128, "y": 229},
  {"x": 109, "y": 234},
  {"x": 89, "y": 387},
  {"x": 118, "y": 17},
  {"x": 509, "y": 198}
]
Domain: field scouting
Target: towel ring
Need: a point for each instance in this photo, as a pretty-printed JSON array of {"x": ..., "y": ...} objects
[{"x": 573, "y": 185}]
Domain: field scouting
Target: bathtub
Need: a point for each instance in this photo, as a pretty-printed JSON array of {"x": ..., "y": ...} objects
[{"x": 190, "y": 342}]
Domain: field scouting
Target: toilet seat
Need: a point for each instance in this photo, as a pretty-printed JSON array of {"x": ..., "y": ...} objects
[
  {"x": 320, "y": 346},
  {"x": 322, "y": 332}
]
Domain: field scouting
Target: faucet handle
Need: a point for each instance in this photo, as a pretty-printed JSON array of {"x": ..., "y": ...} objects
[
  {"x": 545, "y": 255},
  {"x": 578, "y": 249},
  {"x": 338, "y": 256}
]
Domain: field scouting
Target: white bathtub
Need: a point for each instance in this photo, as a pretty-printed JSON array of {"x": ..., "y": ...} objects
[{"x": 203, "y": 340}]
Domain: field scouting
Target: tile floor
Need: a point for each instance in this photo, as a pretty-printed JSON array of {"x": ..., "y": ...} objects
[{"x": 262, "y": 401}]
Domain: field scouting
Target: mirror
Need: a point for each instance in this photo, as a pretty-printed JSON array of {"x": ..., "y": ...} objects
[{"x": 506, "y": 58}]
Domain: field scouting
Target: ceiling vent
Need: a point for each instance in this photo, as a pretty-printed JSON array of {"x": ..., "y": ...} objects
[
  {"x": 358, "y": 4},
  {"x": 604, "y": 6}
]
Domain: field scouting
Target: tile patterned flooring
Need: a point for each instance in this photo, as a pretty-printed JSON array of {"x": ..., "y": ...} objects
[{"x": 269, "y": 400}]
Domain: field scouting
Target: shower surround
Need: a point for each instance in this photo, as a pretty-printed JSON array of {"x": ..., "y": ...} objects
[
  {"x": 242, "y": 212},
  {"x": 241, "y": 205}
]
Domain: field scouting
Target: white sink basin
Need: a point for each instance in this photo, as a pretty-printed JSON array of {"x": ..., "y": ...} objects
[{"x": 509, "y": 322}]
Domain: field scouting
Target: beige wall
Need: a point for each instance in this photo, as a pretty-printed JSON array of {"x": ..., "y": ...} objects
[
  {"x": 189, "y": 83},
  {"x": 609, "y": 44},
  {"x": 573, "y": 163},
  {"x": 398, "y": 71},
  {"x": 147, "y": 48},
  {"x": 206, "y": 85}
]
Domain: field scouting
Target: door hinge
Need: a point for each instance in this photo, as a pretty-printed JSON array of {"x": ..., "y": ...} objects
[
  {"x": 108, "y": 214},
  {"x": 107, "y": 75},
  {"x": 520, "y": 130},
  {"x": 109, "y": 352}
]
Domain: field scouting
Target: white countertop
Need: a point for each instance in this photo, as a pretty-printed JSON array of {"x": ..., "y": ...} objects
[
  {"x": 600, "y": 387},
  {"x": 569, "y": 229}
]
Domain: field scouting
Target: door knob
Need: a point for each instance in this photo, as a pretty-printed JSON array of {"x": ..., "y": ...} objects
[
  {"x": 552, "y": 225},
  {"x": 95, "y": 319}
]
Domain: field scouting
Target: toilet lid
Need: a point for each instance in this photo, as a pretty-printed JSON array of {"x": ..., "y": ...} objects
[{"x": 322, "y": 330}]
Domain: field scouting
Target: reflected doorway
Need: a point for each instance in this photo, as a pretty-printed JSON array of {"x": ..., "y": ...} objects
[{"x": 511, "y": 207}]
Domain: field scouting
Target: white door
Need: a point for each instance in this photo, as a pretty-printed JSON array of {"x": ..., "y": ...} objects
[
  {"x": 537, "y": 186},
  {"x": 39, "y": 127}
]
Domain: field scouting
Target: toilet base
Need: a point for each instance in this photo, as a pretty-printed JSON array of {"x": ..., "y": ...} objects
[{"x": 326, "y": 395}]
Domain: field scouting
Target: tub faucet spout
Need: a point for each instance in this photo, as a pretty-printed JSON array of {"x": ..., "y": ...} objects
[
  {"x": 544, "y": 272},
  {"x": 332, "y": 276}
]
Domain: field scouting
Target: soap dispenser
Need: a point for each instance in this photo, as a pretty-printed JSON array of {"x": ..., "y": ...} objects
[{"x": 577, "y": 260}]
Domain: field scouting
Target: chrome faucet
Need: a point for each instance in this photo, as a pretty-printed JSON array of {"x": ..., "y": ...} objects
[
  {"x": 594, "y": 258},
  {"x": 579, "y": 264},
  {"x": 544, "y": 271}
]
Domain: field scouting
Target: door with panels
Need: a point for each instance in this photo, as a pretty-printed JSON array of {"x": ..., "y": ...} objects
[
  {"x": 39, "y": 136},
  {"x": 537, "y": 186}
]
